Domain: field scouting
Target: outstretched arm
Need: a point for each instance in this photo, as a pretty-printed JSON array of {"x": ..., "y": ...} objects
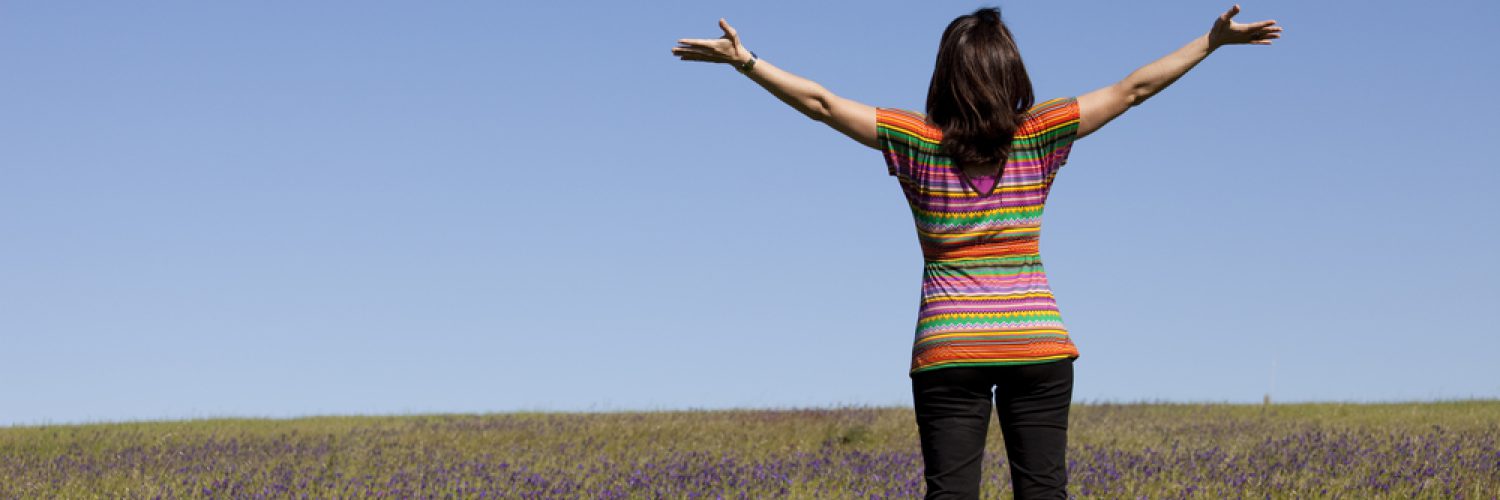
[
  {"x": 1098, "y": 107},
  {"x": 854, "y": 119}
]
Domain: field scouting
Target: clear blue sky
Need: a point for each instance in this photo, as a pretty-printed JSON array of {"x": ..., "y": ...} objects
[{"x": 292, "y": 208}]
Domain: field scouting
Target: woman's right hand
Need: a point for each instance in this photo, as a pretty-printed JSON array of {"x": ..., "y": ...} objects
[
  {"x": 725, "y": 49},
  {"x": 1226, "y": 32}
]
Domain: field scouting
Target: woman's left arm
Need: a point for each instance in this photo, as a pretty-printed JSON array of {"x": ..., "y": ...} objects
[{"x": 852, "y": 118}]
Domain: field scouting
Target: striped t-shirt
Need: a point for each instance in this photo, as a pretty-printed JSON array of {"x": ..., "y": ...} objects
[{"x": 985, "y": 296}]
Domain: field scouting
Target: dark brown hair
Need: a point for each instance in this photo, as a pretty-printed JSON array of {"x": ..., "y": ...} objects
[{"x": 980, "y": 91}]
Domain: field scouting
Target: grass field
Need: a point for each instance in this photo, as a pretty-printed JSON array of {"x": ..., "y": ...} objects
[{"x": 1353, "y": 451}]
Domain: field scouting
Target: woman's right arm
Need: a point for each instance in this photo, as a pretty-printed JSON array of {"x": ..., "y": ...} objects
[{"x": 1098, "y": 107}]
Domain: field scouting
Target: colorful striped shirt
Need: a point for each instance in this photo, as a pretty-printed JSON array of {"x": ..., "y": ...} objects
[{"x": 985, "y": 296}]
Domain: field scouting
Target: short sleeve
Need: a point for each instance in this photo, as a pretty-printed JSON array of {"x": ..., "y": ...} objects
[
  {"x": 1054, "y": 126},
  {"x": 905, "y": 140}
]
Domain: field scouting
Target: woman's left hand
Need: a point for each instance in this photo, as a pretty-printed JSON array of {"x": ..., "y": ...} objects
[
  {"x": 725, "y": 49},
  {"x": 1227, "y": 32}
]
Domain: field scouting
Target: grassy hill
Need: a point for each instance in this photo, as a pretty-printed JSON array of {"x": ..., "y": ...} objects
[{"x": 1355, "y": 451}]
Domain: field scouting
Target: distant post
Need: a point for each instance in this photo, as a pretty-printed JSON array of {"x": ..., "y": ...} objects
[{"x": 1267, "y": 401}]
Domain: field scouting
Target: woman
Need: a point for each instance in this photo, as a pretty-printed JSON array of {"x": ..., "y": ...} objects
[{"x": 976, "y": 168}]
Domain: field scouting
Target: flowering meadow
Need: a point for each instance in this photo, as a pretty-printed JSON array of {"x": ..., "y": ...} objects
[{"x": 1210, "y": 451}]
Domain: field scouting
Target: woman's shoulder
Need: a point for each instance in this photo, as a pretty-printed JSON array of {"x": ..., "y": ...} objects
[
  {"x": 1051, "y": 104},
  {"x": 910, "y": 122},
  {"x": 1052, "y": 112}
]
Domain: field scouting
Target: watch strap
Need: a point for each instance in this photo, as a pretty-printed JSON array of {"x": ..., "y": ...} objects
[{"x": 748, "y": 64}]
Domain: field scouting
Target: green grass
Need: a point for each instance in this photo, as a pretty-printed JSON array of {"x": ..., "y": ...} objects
[{"x": 1326, "y": 450}]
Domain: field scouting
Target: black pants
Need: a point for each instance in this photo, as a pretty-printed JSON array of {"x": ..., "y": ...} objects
[{"x": 953, "y": 416}]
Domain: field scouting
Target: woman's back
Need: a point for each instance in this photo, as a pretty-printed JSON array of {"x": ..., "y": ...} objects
[{"x": 985, "y": 296}]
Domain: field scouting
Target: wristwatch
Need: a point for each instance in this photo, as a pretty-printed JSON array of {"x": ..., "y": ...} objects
[{"x": 748, "y": 64}]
